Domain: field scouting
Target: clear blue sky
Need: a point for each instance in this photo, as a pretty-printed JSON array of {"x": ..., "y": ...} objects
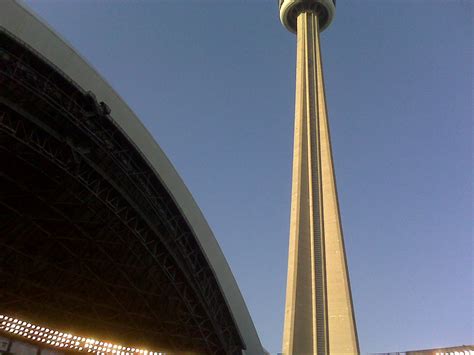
[{"x": 214, "y": 83}]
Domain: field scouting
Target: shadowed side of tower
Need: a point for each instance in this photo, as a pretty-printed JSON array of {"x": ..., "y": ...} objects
[{"x": 319, "y": 316}]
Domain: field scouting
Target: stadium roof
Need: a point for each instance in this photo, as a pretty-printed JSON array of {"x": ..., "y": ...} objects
[{"x": 43, "y": 49}]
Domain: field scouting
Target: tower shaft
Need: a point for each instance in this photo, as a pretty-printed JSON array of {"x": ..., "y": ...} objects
[{"x": 319, "y": 317}]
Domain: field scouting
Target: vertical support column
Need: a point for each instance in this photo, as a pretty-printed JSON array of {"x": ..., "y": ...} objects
[
  {"x": 305, "y": 330},
  {"x": 309, "y": 25},
  {"x": 319, "y": 316},
  {"x": 340, "y": 311}
]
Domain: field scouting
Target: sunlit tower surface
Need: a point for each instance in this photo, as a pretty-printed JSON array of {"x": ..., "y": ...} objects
[{"x": 319, "y": 314}]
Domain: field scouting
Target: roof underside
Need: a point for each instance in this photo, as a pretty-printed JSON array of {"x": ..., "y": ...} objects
[{"x": 91, "y": 240}]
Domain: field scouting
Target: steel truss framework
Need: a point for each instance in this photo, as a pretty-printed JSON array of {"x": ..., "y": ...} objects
[{"x": 90, "y": 240}]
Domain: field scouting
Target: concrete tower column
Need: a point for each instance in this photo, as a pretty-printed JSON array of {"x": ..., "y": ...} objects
[{"x": 319, "y": 316}]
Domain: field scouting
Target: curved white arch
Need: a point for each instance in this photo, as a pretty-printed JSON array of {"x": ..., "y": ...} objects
[{"x": 22, "y": 23}]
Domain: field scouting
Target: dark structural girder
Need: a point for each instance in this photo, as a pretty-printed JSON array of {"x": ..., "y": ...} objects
[{"x": 90, "y": 238}]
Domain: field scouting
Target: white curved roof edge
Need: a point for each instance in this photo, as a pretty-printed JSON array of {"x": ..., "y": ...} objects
[{"x": 21, "y": 22}]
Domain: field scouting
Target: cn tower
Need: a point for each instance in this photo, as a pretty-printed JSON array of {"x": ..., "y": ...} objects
[{"x": 319, "y": 314}]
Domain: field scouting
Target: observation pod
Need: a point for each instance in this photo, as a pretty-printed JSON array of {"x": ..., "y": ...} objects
[
  {"x": 290, "y": 9},
  {"x": 100, "y": 241},
  {"x": 319, "y": 314}
]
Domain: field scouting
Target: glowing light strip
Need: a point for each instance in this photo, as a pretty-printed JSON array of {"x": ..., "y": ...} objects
[{"x": 55, "y": 338}]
